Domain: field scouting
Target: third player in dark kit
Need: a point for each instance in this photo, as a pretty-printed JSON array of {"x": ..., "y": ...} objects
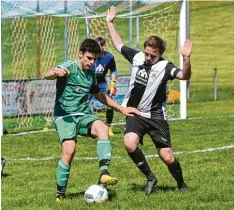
[
  {"x": 147, "y": 92},
  {"x": 103, "y": 63}
]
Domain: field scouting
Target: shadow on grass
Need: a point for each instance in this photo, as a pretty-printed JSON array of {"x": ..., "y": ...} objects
[
  {"x": 111, "y": 194},
  {"x": 75, "y": 195},
  {"x": 5, "y": 175},
  {"x": 137, "y": 187}
]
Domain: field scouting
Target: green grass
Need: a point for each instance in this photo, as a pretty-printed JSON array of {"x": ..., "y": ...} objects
[
  {"x": 30, "y": 185},
  {"x": 211, "y": 32}
]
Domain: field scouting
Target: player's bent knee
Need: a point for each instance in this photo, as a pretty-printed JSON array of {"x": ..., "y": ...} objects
[
  {"x": 168, "y": 159},
  {"x": 68, "y": 156},
  {"x": 130, "y": 146},
  {"x": 68, "y": 150},
  {"x": 100, "y": 129},
  {"x": 130, "y": 149},
  {"x": 131, "y": 140}
]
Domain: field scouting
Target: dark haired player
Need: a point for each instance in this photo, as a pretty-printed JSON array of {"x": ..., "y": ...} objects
[
  {"x": 147, "y": 92},
  {"x": 73, "y": 117}
]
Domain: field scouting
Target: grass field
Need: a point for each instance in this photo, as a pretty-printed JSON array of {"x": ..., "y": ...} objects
[
  {"x": 203, "y": 143},
  {"x": 31, "y": 184}
]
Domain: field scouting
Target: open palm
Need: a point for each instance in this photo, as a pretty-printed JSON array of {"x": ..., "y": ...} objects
[
  {"x": 111, "y": 13},
  {"x": 186, "y": 49}
]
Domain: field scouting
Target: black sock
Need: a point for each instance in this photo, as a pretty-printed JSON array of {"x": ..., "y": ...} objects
[
  {"x": 176, "y": 172},
  {"x": 139, "y": 159},
  {"x": 61, "y": 190},
  {"x": 109, "y": 116}
]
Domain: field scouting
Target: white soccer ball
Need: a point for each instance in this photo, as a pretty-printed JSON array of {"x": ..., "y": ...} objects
[{"x": 96, "y": 194}]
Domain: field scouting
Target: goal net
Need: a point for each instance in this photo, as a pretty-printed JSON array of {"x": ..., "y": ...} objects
[{"x": 37, "y": 35}]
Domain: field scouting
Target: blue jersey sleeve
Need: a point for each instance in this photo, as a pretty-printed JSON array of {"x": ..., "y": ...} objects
[{"x": 112, "y": 66}]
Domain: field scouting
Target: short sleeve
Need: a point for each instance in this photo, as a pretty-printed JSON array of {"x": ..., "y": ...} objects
[
  {"x": 67, "y": 64},
  {"x": 128, "y": 53},
  {"x": 171, "y": 71},
  {"x": 112, "y": 66}
]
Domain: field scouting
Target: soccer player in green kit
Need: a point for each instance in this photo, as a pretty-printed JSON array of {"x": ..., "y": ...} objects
[{"x": 75, "y": 81}]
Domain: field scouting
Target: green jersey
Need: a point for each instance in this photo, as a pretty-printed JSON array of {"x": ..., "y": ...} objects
[{"x": 73, "y": 90}]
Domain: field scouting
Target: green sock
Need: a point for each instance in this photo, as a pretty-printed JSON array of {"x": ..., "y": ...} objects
[
  {"x": 63, "y": 171},
  {"x": 104, "y": 153}
]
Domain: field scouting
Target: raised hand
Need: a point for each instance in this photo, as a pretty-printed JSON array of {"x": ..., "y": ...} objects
[
  {"x": 111, "y": 13},
  {"x": 186, "y": 49}
]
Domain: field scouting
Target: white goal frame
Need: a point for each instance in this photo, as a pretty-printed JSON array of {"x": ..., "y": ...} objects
[{"x": 184, "y": 34}]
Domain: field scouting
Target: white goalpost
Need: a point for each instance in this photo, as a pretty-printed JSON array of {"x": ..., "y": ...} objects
[
  {"x": 184, "y": 34},
  {"x": 37, "y": 35}
]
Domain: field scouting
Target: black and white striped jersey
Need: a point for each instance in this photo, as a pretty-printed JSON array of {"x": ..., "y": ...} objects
[{"x": 147, "y": 88}]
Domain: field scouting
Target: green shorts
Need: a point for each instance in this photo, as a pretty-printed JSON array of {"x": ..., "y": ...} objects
[{"x": 69, "y": 126}]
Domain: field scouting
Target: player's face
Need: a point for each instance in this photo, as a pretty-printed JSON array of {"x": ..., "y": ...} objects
[
  {"x": 86, "y": 59},
  {"x": 102, "y": 46},
  {"x": 152, "y": 55}
]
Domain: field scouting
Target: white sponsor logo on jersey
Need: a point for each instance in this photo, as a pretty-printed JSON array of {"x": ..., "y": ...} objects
[
  {"x": 142, "y": 73},
  {"x": 99, "y": 69}
]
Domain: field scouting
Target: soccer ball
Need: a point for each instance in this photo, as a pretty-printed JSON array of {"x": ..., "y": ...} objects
[{"x": 96, "y": 194}]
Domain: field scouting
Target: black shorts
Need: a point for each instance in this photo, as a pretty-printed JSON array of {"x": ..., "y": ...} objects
[{"x": 158, "y": 130}]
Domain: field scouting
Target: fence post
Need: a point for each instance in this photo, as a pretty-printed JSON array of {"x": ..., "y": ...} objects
[
  {"x": 130, "y": 30},
  {"x": 87, "y": 20},
  {"x": 215, "y": 84},
  {"x": 38, "y": 43},
  {"x": 65, "y": 32},
  {"x": 138, "y": 33}
]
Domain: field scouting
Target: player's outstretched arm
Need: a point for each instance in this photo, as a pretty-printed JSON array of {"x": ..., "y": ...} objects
[
  {"x": 185, "y": 51},
  {"x": 128, "y": 111},
  {"x": 114, "y": 35},
  {"x": 54, "y": 73}
]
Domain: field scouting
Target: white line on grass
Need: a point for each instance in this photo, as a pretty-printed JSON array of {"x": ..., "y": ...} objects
[
  {"x": 118, "y": 157},
  {"x": 120, "y": 123},
  {"x": 31, "y": 132}
]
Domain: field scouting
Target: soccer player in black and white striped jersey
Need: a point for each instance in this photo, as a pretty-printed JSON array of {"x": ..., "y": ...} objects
[{"x": 147, "y": 92}]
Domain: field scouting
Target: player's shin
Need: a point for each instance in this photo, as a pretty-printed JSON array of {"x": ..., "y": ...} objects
[
  {"x": 139, "y": 159},
  {"x": 176, "y": 172},
  {"x": 104, "y": 154},
  {"x": 63, "y": 171}
]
